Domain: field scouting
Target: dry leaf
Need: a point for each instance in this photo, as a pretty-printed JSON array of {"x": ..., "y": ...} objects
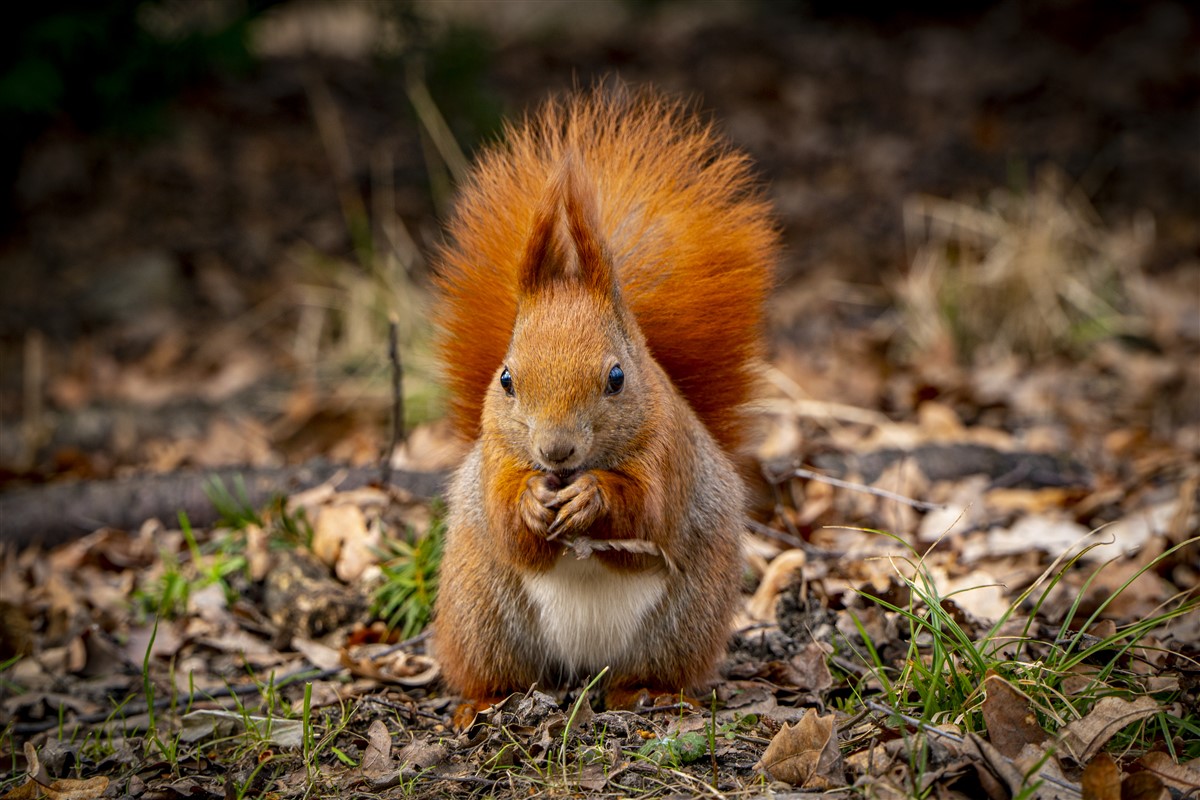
[
  {"x": 1183, "y": 779},
  {"x": 584, "y": 547},
  {"x": 1009, "y": 716},
  {"x": 36, "y": 787},
  {"x": 1083, "y": 738},
  {"x": 421, "y": 754},
  {"x": 993, "y": 766},
  {"x": 1102, "y": 779},
  {"x": 377, "y": 758},
  {"x": 375, "y": 662},
  {"x": 778, "y": 575},
  {"x": 340, "y": 529},
  {"x": 321, "y": 656},
  {"x": 805, "y": 754},
  {"x": 206, "y": 723},
  {"x": 810, "y": 667},
  {"x": 63, "y": 789},
  {"x": 1143, "y": 786}
]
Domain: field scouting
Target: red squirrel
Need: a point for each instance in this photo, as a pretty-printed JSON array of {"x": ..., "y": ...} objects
[{"x": 600, "y": 311}]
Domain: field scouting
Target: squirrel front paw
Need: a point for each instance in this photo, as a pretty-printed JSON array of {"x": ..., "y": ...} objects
[
  {"x": 538, "y": 503},
  {"x": 579, "y": 503}
]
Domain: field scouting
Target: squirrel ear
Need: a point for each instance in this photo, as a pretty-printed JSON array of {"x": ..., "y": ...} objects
[{"x": 581, "y": 257}]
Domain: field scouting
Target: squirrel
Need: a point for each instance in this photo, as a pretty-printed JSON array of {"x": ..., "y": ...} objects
[{"x": 600, "y": 310}]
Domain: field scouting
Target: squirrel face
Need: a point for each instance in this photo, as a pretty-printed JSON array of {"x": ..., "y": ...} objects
[
  {"x": 573, "y": 392},
  {"x": 577, "y": 382}
]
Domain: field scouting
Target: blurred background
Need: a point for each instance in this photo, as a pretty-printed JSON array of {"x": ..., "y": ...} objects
[{"x": 211, "y": 209}]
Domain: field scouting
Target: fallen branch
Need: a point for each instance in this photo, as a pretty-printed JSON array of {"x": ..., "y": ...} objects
[{"x": 58, "y": 512}]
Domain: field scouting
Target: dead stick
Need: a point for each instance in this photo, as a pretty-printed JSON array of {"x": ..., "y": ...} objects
[
  {"x": 855, "y": 487},
  {"x": 399, "y": 434}
]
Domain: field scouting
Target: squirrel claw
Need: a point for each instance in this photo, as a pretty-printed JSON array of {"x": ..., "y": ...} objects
[{"x": 580, "y": 503}]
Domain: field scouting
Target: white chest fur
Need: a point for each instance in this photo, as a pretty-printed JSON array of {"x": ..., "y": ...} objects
[{"x": 589, "y": 615}]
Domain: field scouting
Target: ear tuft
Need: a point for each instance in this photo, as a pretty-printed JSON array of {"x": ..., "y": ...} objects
[{"x": 565, "y": 242}]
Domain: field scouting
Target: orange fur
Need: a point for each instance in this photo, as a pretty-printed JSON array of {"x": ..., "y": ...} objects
[
  {"x": 601, "y": 313},
  {"x": 678, "y": 209}
]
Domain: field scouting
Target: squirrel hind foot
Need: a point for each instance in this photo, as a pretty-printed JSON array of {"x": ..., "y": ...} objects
[
  {"x": 467, "y": 712},
  {"x": 641, "y": 698}
]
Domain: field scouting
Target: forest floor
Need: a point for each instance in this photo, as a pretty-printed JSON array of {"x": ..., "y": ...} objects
[{"x": 972, "y": 564}]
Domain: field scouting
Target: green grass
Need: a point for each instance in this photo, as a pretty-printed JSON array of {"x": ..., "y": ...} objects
[
  {"x": 404, "y": 600},
  {"x": 941, "y": 676}
]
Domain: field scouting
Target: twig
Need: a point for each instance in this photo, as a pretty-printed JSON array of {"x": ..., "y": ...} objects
[
  {"x": 399, "y": 434},
  {"x": 387, "y": 651},
  {"x": 790, "y": 540},
  {"x": 815, "y": 409},
  {"x": 799, "y": 472},
  {"x": 712, "y": 790},
  {"x": 34, "y": 380}
]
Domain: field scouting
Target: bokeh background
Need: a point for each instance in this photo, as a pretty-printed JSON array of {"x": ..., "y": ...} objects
[{"x": 211, "y": 209}]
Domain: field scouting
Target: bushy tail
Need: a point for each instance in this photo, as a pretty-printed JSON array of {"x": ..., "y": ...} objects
[{"x": 689, "y": 233}]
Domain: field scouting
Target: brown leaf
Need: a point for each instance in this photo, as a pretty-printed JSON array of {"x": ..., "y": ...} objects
[
  {"x": 996, "y": 771},
  {"x": 1176, "y": 776},
  {"x": 775, "y": 579},
  {"x": 1102, "y": 779},
  {"x": 1143, "y": 786},
  {"x": 342, "y": 539},
  {"x": 1083, "y": 738},
  {"x": 1009, "y": 716},
  {"x": 377, "y": 758},
  {"x": 374, "y": 661},
  {"x": 63, "y": 789},
  {"x": 811, "y": 669},
  {"x": 421, "y": 754},
  {"x": 805, "y": 754}
]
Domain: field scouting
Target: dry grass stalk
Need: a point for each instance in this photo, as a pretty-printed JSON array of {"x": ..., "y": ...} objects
[{"x": 1034, "y": 273}]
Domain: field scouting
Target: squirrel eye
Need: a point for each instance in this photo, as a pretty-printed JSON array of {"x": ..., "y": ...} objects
[
  {"x": 616, "y": 379},
  {"x": 506, "y": 382}
]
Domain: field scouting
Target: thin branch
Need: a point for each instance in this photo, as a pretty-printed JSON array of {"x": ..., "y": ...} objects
[
  {"x": 799, "y": 472},
  {"x": 399, "y": 434}
]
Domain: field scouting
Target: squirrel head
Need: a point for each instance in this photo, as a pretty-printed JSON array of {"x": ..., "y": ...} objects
[{"x": 578, "y": 384}]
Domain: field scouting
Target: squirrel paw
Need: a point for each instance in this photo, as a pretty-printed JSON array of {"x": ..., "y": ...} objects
[
  {"x": 579, "y": 504},
  {"x": 535, "y": 504}
]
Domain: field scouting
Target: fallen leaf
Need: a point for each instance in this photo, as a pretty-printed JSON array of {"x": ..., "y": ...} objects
[
  {"x": 1184, "y": 779},
  {"x": 775, "y": 579},
  {"x": 1101, "y": 779},
  {"x": 421, "y": 754},
  {"x": 335, "y": 525},
  {"x": 206, "y": 723},
  {"x": 1029, "y": 780},
  {"x": 374, "y": 661},
  {"x": 321, "y": 656},
  {"x": 805, "y": 754},
  {"x": 1143, "y": 786},
  {"x": 1084, "y": 737},
  {"x": 810, "y": 668},
  {"x": 377, "y": 758},
  {"x": 63, "y": 789},
  {"x": 1008, "y": 713}
]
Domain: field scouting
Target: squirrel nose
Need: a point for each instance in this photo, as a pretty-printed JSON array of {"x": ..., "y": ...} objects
[{"x": 556, "y": 452}]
